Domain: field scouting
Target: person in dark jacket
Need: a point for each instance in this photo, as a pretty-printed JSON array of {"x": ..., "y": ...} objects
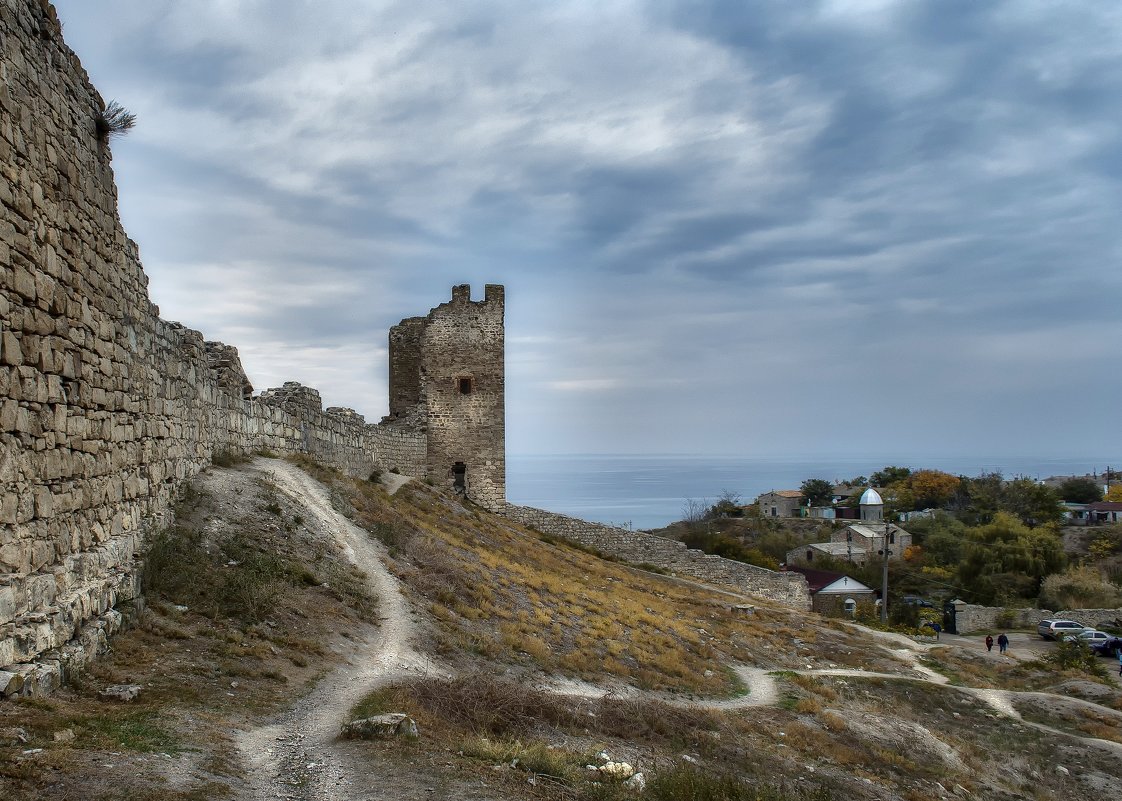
[
  {"x": 989, "y": 642},
  {"x": 1002, "y": 643}
]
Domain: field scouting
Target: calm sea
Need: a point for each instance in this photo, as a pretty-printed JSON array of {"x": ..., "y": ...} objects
[{"x": 651, "y": 491}]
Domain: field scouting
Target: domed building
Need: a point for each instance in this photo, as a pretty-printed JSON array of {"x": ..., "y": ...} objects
[
  {"x": 861, "y": 541},
  {"x": 872, "y": 506}
]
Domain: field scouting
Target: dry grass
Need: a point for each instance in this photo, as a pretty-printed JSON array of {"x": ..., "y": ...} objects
[
  {"x": 221, "y": 660},
  {"x": 498, "y": 591}
]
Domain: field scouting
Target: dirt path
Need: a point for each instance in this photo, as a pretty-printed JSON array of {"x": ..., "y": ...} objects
[{"x": 296, "y": 756}]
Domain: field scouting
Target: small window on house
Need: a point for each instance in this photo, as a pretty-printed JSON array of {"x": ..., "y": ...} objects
[{"x": 464, "y": 385}]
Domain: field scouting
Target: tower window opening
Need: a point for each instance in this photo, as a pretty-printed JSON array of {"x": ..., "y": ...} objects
[
  {"x": 459, "y": 477},
  {"x": 464, "y": 385}
]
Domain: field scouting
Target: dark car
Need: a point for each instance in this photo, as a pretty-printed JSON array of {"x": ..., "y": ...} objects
[
  {"x": 915, "y": 600},
  {"x": 1109, "y": 647}
]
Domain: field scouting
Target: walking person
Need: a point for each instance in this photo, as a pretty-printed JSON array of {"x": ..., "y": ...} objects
[
  {"x": 989, "y": 642},
  {"x": 1002, "y": 643}
]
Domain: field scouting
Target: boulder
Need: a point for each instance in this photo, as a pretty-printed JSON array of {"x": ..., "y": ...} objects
[
  {"x": 121, "y": 692},
  {"x": 381, "y": 727},
  {"x": 10, "y": 682},
  {"x": 13, "y": 735}
]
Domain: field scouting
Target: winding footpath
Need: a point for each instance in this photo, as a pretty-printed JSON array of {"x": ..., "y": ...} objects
[{"x": 297, "y": 756}]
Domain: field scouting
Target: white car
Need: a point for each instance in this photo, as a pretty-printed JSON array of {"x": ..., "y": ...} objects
[
  {"x": 1052, "y": 629},
  {"x": 1090, "y": 636}
]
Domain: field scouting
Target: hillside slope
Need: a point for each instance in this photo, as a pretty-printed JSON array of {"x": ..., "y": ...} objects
[{"x": 285, "y": 602}]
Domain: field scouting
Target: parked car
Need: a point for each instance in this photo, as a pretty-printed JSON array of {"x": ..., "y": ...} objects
[
  {"x": 1054, "y": 629},
  {"x": 1108, "y": 647},
  {"x": 915, "y": 600},
  {"x": 1088, "y": 636}
]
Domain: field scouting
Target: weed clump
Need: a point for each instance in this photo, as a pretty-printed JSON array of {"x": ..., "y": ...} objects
[
  {"x": 113, "y": 120},
  {"x": 229, "y": 578}
]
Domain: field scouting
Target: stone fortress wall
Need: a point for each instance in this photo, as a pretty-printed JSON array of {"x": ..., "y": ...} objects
[
  {"x": 105, "y": 408},
  {"x": 640, "y": 548}
]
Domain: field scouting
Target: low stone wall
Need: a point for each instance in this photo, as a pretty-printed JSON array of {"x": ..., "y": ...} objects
[
  {"x": 972, "y": 618},
  {"x": 640, "y": 548},
  {"x": 976, "y": 619}
]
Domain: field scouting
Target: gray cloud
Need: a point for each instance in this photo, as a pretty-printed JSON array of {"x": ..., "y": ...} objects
[{"x": 723, "y": 227}]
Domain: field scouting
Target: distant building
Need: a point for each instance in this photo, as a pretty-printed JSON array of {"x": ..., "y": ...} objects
[
  {"x": 872, "y": 506},
  {"x": 781, "y": 503},
  {"x": 919, "y": 514},
  {"x": 857, "y": 543},
  {"x": 1076, "y": 514},
  {"x": 834, "y": 593},
  {"x": 1104, "y": 512}
]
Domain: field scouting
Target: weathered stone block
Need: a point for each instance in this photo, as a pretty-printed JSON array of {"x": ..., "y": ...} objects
[{"x": 10, "y": 351}]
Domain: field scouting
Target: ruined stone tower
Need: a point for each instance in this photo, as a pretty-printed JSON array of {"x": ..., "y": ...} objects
[{"x": 447, "y": 378}]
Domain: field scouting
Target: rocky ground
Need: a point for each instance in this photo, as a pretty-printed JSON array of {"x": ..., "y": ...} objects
[{"x": 297, "y": 620}]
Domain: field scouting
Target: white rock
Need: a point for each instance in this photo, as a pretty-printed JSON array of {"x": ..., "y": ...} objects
[
  {"x": 638, "y": 782},
  {"x": 392, "y": 724},
  {"x": 617, "y": 770},
  {"x": 121, "y": 692}
]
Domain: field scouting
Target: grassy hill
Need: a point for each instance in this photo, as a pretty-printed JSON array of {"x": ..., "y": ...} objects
[{"x": 542, "y": 659}]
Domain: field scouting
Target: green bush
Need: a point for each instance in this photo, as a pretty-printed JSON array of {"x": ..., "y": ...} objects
[
  {"x": 1075, "y": 655},
  {"x": 1079, "y": 588},
  {"x": 230, "y": 578}
]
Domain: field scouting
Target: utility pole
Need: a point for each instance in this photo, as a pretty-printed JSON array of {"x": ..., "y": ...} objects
[{"x": 884, "y": 576}]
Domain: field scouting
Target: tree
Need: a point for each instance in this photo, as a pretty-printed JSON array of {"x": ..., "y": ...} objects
[
  {"x": 1114, "y": 494},
  {"x": 693, "y": 510},
  {"x": 1081, "y": 490},
  {"x": 1034, "y": 503},
  {"x": 818, "y": 491},
  {"x": 727, "y": 506},
  {"x": 931, "y": 488},
  {"x": 979, "y": 499},
  {"x": 889, "y": 475},
  {"x": 943, "y": 542},
  {"x": 1006, "y": 560},
  {"x": 1079, "y": 588}
]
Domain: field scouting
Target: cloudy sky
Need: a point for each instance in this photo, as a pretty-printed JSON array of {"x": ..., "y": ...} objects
[{"x": 724, "y": 226}]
